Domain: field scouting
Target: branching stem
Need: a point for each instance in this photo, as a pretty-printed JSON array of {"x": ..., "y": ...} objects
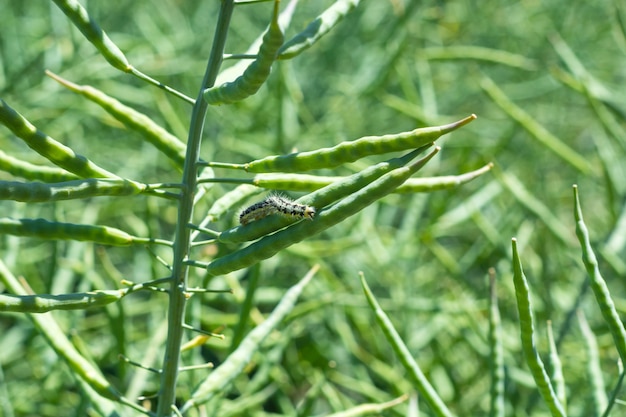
[{"x": 178, "y": 296}]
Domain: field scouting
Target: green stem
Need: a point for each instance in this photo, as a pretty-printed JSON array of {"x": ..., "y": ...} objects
[{"x": 180, "y": 269}]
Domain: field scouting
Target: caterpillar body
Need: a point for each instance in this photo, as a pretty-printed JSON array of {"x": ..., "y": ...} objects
[{"x": 276, "y": 205}]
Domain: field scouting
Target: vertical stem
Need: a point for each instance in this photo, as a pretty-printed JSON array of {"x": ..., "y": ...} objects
[{"x": 178, "y": 297}]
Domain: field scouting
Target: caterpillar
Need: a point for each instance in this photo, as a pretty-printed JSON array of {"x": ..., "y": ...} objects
[{"x": 275, "y": 204}]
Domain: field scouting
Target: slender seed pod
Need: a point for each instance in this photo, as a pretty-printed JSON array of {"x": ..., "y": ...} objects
[
  {"x": 22, "y": 169},
  {"x": 353, "y": 150},
  {"x": 232, "y": 367},
  {"x": 293, "y": 182},
  {"x": 45, "y": 302},
  {"x": 444, "y": 182},
  {"x": 527, "y": 335},
  {"x": 45, "y": 229},
  {"x": 55, "y": 152},
  {"x": 318, "y": 199},
  {"x": 231, "y": 199},
  {"x": 268, "y": 246},
  {"x": 319, "y": 27},
  {"x": 57, "y": 339},
  {"x": 598, "y": 284},
  {"x": 413, "y": 372},
  {"x": 37, "y": 192},
  {"x": 308, "y": 183},
  {"x": 257, "y": 72},
  {"x": 164, "y": 141},
  {"x": 94, "y": 34}
]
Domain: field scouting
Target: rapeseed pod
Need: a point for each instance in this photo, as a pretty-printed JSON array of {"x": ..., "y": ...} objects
[{"x": 255, "y": 75}]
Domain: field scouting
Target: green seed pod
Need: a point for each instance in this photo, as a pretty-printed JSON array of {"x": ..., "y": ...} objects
[
  {"x": 216, "y": 382},
  {"x": 55, "y": 152},
  {"x": 45, "y": 229},
  {"x": 37, "y": 192},
  {"x": 19, "y": 168},
  {"x": 94, "y": 34},
  {"x": 231, "y": 199},
  {"x": 317, "y": 28},
  {"x": 46, "y": 302},
  {"x": 255, "y": 75},
  {"x": 598, "y": 284},
  {"x": 160, "y": 138},
  {"x": 527, "y": 335},
  {"x": 446, "y": 182},
  {"x": 308, "y": 183},
  {"x": 353, "y": 150},
  {"x": 268, "y": 246},
  {"x": 318, "y": 199},
  {"x": 293, "y": 182},
  {"x": 57, "y": 339}
]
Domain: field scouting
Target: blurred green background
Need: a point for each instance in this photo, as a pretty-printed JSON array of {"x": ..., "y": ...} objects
[{"x": 390, "y": 66}]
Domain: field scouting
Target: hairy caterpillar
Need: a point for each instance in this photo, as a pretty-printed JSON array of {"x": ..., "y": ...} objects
[{"x": 275, "y": 204}]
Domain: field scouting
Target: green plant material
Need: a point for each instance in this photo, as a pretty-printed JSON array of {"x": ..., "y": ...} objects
[
  {"x": 49, "y": 328},
  {"x": 42, "y": 303},
  {"x": 37, "y": 192},
  {"x": 319, "y": 199},
  {"x": 615, "y": 393},
  {"x": 257, "y": 72},
  {"x": 19, "y": 168},
  {"x": 226, "y": 202},
  {"x": 620, "y": 17},
  {"x": 545, "y": 138},
  {"x": 414, "y": 373},
  {"x": 58, "y": 341},
  {"x": 234, "y": 71},
  {"x": 478, "y": 53},
  {"x": 245, "y": 404},
  {"x": 178, "y": 294},
  {"x": 45, "y": 229},
  {"x": 307, "y": 182},
  {"x": 370, "y": 409},
  {"x": 584, "y": 81},
  {"x": 98, "y": 38},
  {"x": 246, "y": 308},
  {"x": 224, "y": 374},
  {"x": 104, "y": 406},
  {"x": 496, "y": 352},
  {"x": 527, "y": 334},
  {"x": 317, "y": 28},
  {"x": 596, "y": 93},
  {"x": 519, "y": 191},
  {"x": 55, "y": 152},
  {"x": 272, "y": 244},
  {"x": 594, "y": 369},
  {"x": 353, "y": 150},
  {"x": 164, "y": 141},
  {"x": 617, "y": 239},
  {"x": 444, "y": 182},
  {"x": 598, "y": 284},
  {"x": 94, "y": 34},
  {"x": 292, "y": 182},
  {"x": 557, "y": 377}
]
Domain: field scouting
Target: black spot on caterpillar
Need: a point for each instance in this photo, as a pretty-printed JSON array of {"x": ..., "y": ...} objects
[{"x": 276, "y": 205}]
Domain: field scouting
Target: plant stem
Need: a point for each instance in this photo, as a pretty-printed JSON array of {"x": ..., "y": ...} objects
[{"x": 180, "y": 269}]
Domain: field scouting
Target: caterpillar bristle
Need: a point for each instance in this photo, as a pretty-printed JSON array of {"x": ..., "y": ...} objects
[{"x": 276, "y": 204}]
